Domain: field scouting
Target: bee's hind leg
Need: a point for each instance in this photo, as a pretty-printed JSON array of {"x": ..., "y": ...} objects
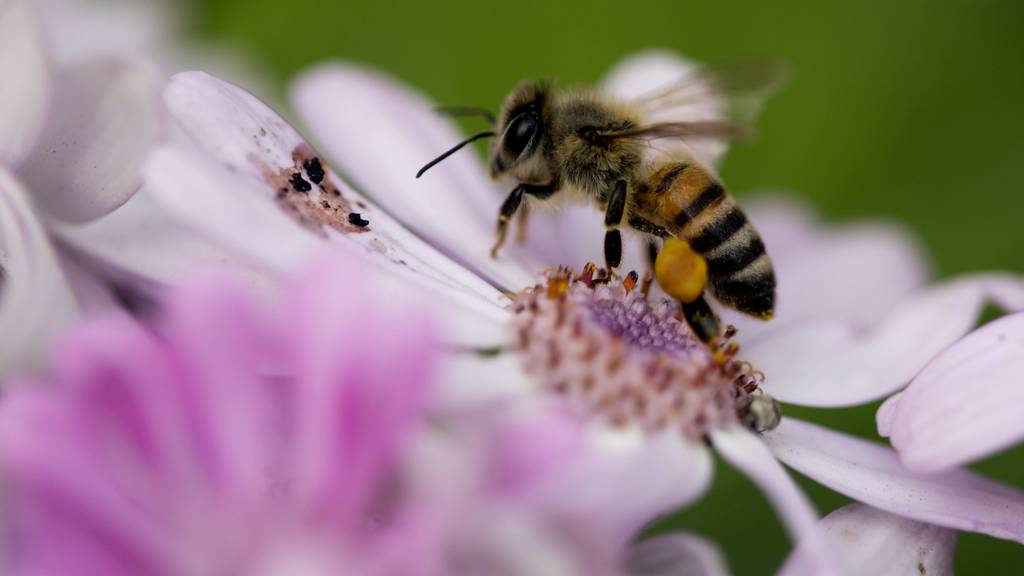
[
  {"x": 683, "y": 274},
  {"x": 612, "y": 218},
  {"x": 702, "y": 320}
]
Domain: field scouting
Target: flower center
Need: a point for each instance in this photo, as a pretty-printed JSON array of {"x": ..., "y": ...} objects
[{"x": 619, "y": 357}]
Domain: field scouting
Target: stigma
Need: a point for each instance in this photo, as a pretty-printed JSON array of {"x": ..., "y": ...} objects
[{"x": 620, "y": 357}]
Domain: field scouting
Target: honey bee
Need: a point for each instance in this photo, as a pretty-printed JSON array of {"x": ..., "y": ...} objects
[{"x": 585, "y": 144}]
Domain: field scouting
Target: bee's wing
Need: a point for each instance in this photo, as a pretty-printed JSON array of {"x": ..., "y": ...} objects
[{"x": 700, "y": 108}]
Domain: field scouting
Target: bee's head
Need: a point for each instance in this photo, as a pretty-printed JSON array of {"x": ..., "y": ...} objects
[{"x": 520, "y": 129}]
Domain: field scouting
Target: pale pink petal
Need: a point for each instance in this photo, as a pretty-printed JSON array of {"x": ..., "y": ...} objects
[
  {"x": 646, "y": 476},
  {"x": 748, "y": 454},
  {"x": 380, "y": 133},
  {"x": 35, "y": 301},
  {"x": 884, "y": 416},
  {"x": 250, "y": 139},
  {"x": 574, "y": 235},
  {"x": 82, "y": 29},
  {"x": 269, "y": 237},
  {"x": 142, "y": 242},
  {"x": 870, "y": 541},
  {"x": 647, "y": 73},
  {"x": 872, "y": 474},
  {"x": 92, "y": 293},
  {"x": 471, "y": 382},
  {"x": 25, "y": 91},
  {"x": 854, "y": 272},
  {"x": 105, "y": 117},
  {"x": 965, "y": 404},
  {"x": 196, "y": 189},
  {"x": 839, "y": 363},
  {"x": 676, "y": 554}
]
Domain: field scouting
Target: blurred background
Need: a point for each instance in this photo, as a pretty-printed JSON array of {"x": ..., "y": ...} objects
[{"x": 908, "y": 110}]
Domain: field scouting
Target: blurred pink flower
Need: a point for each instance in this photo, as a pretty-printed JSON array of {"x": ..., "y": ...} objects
[{"x": 235, "y": 440}]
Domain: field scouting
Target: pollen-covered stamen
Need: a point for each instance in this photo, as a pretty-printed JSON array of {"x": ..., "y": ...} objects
[{"x": 620, "y": 358}]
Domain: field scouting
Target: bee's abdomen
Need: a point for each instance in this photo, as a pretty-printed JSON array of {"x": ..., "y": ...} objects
[{"x": 697, "y": 209}]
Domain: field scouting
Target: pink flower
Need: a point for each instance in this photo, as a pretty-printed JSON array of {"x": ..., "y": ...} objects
[
  {"x": 236, "y": 440},
  {"x": 855, "y": 321}
]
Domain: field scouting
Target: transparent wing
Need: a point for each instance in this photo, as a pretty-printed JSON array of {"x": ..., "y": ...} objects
[{"x": 690, "y": 107}]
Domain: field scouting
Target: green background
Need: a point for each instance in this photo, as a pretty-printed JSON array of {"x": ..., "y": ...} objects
[{"x": 910, "y": 110}]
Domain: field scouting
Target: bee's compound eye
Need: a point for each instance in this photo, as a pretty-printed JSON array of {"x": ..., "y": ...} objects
[{"x": 520, "y": 133}]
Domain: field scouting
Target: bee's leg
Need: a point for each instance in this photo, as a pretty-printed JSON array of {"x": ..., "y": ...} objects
[
  {"x": 521, "y": 221},
  {"x": 702, "y": 320},
  {"x": 508, "y": 209},
  {"x": 512, "y": 204},
  {"x": 652, "y": 253},
  {"x": 653, "y": 231},
  {"x": 683, "y": 274},
  {"x": 612, "y": 218}
]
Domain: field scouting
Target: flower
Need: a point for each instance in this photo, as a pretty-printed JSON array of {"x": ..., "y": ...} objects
[
  {"x": 233, "y": 438},
  {"x": 849, "y": 299},
  {"x": 854, "y": 323},
  {"x": 963, "y": 404}
]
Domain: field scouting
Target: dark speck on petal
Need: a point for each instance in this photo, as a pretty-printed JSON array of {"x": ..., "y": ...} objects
[
  {"x": 355, "y": 219},
  {"x": 300, "y": 184},
  {"x": 315, "y": 170}
]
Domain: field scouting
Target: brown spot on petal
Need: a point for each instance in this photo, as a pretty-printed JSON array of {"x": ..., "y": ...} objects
[{"x": 315, "y": 208}]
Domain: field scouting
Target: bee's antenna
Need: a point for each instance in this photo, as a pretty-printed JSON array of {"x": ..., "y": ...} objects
[
  {"x": 453, "y": 150},
  {"x": 466, "y": 111}
]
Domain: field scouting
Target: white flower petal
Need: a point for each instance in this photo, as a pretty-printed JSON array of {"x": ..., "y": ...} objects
[
  {"x": 81, "y": 29},
  {"x": 966, "y": 403},
  {"x": 196, "y": 189},
  {"x": 470, "y": 382},
  {"x": 872, "y": 474},
  {"x": 143, "y": 243},
  {"x": 870, "y": 541},
  {"x": 92, "y": 294},
  {"x": 105, "y": 117},
  {"x": 26, "y": 88},
  {"x": 883, "y": 418},
  {"x": 646, "y": 476},
  {"x": 836, "y": 363},
  {"x": 574, "y": 235},
  {"x": 35, "y": 300},
  {"x": 677, "y": 554},
  {"x": 380, "y": 133},
  {"x": 748, "y": 454},
  {"x": 249, "y": 138},
  {"x": 648, "y": 72}
]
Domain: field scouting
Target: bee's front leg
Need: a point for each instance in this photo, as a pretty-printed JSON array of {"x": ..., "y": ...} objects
[
  {"x": 511, "y": 205},
  {"x": 508, "y": 209},
  {"x": 612, "y": 218}
]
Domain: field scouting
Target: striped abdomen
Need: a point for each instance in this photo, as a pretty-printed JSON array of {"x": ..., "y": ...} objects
[{"x": 695, "y": 207}]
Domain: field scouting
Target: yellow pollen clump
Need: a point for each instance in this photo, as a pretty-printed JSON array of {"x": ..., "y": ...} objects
[{"x": 681, "y": 272}]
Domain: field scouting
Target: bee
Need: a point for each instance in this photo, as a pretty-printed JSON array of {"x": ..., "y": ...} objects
[{"x": 637, "y": 161}]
